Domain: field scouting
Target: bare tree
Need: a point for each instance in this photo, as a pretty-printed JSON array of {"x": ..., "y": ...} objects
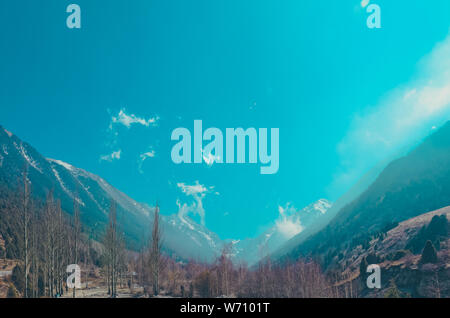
[
  {"x": 110, "y": 239},
  {"x": 224, "y": 271},
  {"x": 114, "y": 251},
  {"x": 76, "y": 233},
  {"x": 25, "y": 226},
  {"x": 50, "y": 245},
  {"x": 155, "y": 252}
]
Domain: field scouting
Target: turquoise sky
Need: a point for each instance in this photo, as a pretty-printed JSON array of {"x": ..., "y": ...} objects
[{"x": 310, "y": 68}]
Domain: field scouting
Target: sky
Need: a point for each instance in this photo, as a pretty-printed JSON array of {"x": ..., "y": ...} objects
[{"x": 107, "y": 97}]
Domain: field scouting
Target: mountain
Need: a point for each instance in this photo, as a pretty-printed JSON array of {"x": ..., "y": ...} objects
[
  {"x": 182, "y": 236},
  {"x": 407, "y": 187},
  {"x": 290, "y": 223},
  {"x": 356, "y": 190}
]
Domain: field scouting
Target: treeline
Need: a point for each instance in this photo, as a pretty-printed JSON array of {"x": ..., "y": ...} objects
[
  {"x": 44, "y": 240},
  {"x": 222, "y": 278},
  {"x": 157, "y": 273}
]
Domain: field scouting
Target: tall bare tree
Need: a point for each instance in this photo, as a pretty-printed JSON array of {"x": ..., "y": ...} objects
[
  {"x": 114, "y": 251},
  {"x": 224, "y": 268},
  {"x": 76, "y": 234},
  {"x": 25, "y": 226},
  {"x": 155, "y": 251}
]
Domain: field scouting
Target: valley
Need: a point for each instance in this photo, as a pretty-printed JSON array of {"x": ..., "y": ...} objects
[{"x": 384, "y": 220}]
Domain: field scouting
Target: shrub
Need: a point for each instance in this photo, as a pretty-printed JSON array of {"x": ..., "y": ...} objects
[
  {"x": 12, "y": 292},
  {"x": 17, "y": 278},
  {"x": 429, "y": 254}
]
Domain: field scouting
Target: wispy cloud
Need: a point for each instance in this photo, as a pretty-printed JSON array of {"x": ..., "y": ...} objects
[
  {"x": 196, "y": 189},
  {"x": 198, "y": 192},
  {"x": 115, "y": 155},
  {"x": 364, "y": 3},
  {"x": 146, "y": 155},
  {"x": 122, "y": 118},
  {"x": 209, "y": 158},
  {"x": 288, "y": 222},
  {"x": 143, "y": 157},
  {"x": 403, "y": 117},
  {"x": 126, "y": 119}
]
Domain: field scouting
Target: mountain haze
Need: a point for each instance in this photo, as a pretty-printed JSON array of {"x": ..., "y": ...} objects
[
  {"x": 409, "y": 186},
  {"x": 291, "y": 222}
]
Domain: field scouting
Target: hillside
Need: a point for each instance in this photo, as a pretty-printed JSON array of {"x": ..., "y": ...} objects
[
  {"x": 407, "y": 187},
  {"x": 395, "y": 254},
  {"x": 183, "y": 237}
]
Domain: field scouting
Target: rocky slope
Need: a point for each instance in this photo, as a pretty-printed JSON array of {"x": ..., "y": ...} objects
[{"x": 400, "y": 265}]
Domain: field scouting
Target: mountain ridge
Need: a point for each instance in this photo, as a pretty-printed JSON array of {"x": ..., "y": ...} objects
[
  {"x": 409, "y": 186},
  {"x": 94, "y": 194}
]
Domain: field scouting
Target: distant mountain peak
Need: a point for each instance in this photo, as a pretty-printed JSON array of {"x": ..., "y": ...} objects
[
  {"x": 10, "y": 134},
  {"x": 290, "y": 222},
  {"x": 322, "y": 205}
]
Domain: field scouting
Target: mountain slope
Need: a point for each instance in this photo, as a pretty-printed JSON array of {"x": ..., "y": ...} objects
[
  {"x": 182, "y": 236},
  {"x": 407, "y": 187},
  {"x": 398, "y": 262}
]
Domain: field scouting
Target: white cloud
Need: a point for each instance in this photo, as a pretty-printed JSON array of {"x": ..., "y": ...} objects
[
  {"x": 130, "y": 119},
  {"x": 143, "y": 157},
  {"x": 112, "y": 156},
  {"x": 198, "y": 192},
  {"x": 364, "y": 3},
  {"x": 209, "y": 158},
  {"x": 146, "y": 155},
  {"x": 196, "y": 189},
  {"x": 399, "y": 120},
  {"x": 288, "y": 222},
  {"x": 289, "y": 228}
]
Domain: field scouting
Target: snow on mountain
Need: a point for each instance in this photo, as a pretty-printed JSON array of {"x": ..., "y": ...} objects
[
  {"x": 322, "y": 205},
  {"x": 61, "y": 163},
  {"x": 8, "y": 133},
  {"x": 182, "y": 237},
  {"x": 26, "y": 156},
  {"x": 5, "y": 149}
]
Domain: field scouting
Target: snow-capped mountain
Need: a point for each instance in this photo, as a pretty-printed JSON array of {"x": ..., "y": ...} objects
[
  {"x": 289, "y": 223},
  {"x": 182, "y": 236}
]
